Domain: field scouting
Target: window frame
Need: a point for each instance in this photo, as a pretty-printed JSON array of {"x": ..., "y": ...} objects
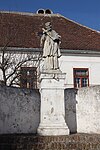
[
  {"x": 27, "y": 77},
  {"x": 80, "y": 76}
]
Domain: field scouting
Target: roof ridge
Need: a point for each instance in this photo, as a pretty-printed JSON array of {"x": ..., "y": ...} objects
[{"x": 27, "y": 13}]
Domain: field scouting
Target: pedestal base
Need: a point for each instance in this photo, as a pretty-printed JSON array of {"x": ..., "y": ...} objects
[
  {"x": 46, "y": 130},
  {"x": 52, "y": 105}
]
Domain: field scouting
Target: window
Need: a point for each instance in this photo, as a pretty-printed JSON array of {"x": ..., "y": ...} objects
[
  {"x": 81, "y": 77},
  {"x": 28, "y": 77}
]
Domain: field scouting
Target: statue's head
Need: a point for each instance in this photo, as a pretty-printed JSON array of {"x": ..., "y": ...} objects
[{"x": 48, "y": 26}]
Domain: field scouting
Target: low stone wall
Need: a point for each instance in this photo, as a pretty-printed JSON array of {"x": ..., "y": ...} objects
[
  {"x": 19, "y": 110},
  {"x": 88, "y": 110},
  {"x": 82, "y": 107},
  {"x": 31, "y": 142}
]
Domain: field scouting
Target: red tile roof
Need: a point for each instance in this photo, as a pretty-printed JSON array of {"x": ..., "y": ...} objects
[{"x": 22, "y": 30}]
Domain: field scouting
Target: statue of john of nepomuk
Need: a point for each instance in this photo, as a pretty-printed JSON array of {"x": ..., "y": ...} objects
[{"x": 51, "y": 48}]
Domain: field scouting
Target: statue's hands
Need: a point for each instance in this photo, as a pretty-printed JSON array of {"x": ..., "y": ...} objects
[{"x": 44, "y": 31}]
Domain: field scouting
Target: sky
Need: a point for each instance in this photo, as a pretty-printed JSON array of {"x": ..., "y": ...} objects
[{"x": 85, "y": 12}]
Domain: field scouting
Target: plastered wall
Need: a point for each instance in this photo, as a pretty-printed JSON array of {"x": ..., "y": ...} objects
[
  {"x": 88, "y": 110},
  {"x": 20, "y": 110}
]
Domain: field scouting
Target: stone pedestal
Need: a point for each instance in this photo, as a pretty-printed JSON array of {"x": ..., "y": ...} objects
[{"x": 52, "y": 120}]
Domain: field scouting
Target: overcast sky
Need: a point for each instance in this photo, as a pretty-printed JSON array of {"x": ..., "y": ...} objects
[{"x": 85, "y": 12}]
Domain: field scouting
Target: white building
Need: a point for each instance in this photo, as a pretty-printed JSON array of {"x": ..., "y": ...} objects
[{"x": 80, "y": 46}]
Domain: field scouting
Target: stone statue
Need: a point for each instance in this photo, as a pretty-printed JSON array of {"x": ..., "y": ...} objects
[{"x": 51, "y": 50}]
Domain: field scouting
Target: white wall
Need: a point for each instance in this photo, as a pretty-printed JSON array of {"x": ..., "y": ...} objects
[
  {"x": 67, "y": 63},
  {"x": 19, "y": 110},
  {"x": 88, "y": 110},
  {"x": 83, "y": 109}
]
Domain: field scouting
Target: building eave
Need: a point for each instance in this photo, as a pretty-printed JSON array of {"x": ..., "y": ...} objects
[
  {"x": 91, "y": 53},
  {"x": 63, "y": 51},
  {"x": 20, "y": 49}
]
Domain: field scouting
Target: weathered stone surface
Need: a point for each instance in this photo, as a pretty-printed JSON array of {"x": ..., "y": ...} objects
[
  {"x": 52, "y": 120},
  {"x": 19, "y": 110},
  {"x": 82, "y": 107},
  {"x": 88, "y": 110}
]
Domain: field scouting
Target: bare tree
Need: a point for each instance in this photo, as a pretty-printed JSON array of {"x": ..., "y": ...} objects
[{"x": 10, "y": 64}]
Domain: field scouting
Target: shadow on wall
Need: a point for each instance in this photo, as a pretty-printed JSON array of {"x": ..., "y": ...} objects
[{"x": 70, "y": 109}]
